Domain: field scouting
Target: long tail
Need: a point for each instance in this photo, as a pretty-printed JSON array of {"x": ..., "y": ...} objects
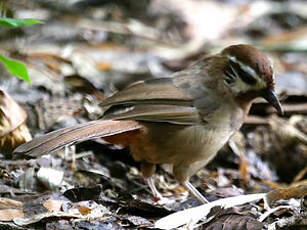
[{"x": 78, "y": 133}]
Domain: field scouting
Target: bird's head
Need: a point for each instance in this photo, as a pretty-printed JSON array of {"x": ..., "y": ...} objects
[{"x": 249, "y": 73}]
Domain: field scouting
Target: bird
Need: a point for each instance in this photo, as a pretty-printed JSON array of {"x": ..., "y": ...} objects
[{"x": 182, "y": 120}]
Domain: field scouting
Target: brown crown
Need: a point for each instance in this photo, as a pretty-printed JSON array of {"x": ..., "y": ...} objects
[{"x": 255, "y": 59}]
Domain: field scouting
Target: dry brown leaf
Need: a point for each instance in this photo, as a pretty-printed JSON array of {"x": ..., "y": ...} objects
[
  {"x": 285, "y": 38},
  {"x": 9, "y": 209},
  {"x": 84, "y": 210},
  {"x": 235, "y": 222},
  {"x": 286, "y": 193},
  {"x": 15, "y": 138},
  {"x": 13, "y": 130},
  {"x": 9, "y": 203},
  {"x": 36, "y": 218},
  {"x": 53, "y": 205},
  {"x": 10, "y": 214}
]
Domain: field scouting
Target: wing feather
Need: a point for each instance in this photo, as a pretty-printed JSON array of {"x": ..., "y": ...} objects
[
  {"x": 174, "y": 114},
  {"x": 157, "y": 100},
  {"x": 152, "y": 91},
  {"x": 75, "y": 134}
]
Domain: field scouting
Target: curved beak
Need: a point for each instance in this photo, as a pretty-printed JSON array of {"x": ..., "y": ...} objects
[{"x": 270, "y": 96}]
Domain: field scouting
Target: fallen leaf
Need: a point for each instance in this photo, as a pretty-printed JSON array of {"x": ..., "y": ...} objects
[
  {"x": 53, "y": 205},
  {"x": 285, "y": 194},
  {"x": 13, "y": 130}
]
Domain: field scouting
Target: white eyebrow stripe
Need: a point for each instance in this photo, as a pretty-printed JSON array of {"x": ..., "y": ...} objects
[{"x": 246, "y": 68}]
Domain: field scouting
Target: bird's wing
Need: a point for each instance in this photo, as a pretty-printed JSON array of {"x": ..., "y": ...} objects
[
  {"x": 153, "y": 91},
  {"x": 157, "y": 100}
]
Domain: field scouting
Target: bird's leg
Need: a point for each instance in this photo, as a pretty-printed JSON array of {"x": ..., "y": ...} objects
[
  {"x": 148, "y": 171},
  {"x": 151, "y": 183},
  {"x": 195, "y": 192}
]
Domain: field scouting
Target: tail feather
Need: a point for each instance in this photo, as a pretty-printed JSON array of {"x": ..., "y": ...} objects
[{"x": 75, "y": 134}]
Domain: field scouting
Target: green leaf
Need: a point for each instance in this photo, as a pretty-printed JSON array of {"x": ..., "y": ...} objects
[
  {"x": 16, "y": 68},
  {"x": 14, "y": 23}
]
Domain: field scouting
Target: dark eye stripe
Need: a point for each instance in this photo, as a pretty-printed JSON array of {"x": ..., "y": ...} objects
[
  {"x": 244, "y": 75},
  {"x": 229, "y": 77}
]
